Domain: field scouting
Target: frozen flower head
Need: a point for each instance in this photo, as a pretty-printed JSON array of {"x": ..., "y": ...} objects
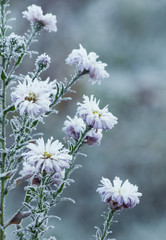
[
  {"x": 33, "y": 97},
  {"x": 50, "y": 157},
  {"x": 118, "y": 195},
  {"x": 73, "y": 127},
  {"x": 95, "y": 117},
  {"x": 16, "y": 44},
  {"x": 79, "y": 57},
  {"x": 28, "y": 170},
  {"x": 42, "y": 62},
  {"x": 93, "y": 137},
  {"x": 35, "y": 15},
  {"x": 87, "y": 63}
]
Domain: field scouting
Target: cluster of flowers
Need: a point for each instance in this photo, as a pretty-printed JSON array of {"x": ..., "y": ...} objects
[
  {"x": 52, "y": 156},
  {"x": 34, "y": 97}
]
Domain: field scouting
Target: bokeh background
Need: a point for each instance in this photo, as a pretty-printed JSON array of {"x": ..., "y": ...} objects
[{"x": 130, "y": 36}]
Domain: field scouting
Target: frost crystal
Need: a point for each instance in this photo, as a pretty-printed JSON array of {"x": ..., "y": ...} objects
[
  {"x": 33, "y": 97},
  {"x": 88, "y": 63},
  {"x": 35, "y": 15},
  {"x": 118, "y": 195},
  {"x": 95, "y": 117},
  {"x": 50, "y": 157}
]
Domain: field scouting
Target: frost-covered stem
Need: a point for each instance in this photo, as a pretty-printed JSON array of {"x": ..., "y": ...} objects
[
  {"x": 3, "y": 19},
  {"x": 31, "y": 37},
  {"x": 3, "y": 133},
  {"x": 73, "y": 151},
  {"x": 107, "y": 224},
  {"x": 80, "y": 141},
  {"x": 37, "y": 72},
  {"x": 67, "y": 87},
  {"x": 17, "y": 63}
]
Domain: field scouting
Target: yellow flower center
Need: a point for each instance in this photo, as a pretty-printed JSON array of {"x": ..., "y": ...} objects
[
  {"x": 32, "y": 97},
  {"x": 94, "y": 112},
  {"x": 47, "y": 155}
]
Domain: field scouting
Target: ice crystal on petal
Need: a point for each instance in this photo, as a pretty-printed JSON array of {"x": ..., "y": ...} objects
[
  {"x": 33, "y": 97},
  {"x": 35, "y": 14},
  {"x": 118, "y": 195},
  {"x": 50, "y": 157},
  {"x": 95, "y": 117},
  {"x": 88, "y": 63}
]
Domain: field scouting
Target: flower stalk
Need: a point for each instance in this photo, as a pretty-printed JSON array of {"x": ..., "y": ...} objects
[
  {"x": 107, "y": 224},
  {"x": 3, "y": 128}
]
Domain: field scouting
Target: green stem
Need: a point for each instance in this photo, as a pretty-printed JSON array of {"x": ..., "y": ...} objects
[
  {"x": 68, "y": 86},
  {"x": 3, "y": 133},
  {"x": 107, "y": 224},
  {"x": 3, "y": 163},
  {"x": 72, "y": 152}
]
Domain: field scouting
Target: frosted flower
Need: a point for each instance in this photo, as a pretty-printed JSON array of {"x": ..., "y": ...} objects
[
  {"x": 26, "y": 173},
  {"x": 95, "y": 117},
  {"x": 87, "y": 63},
  {"x": 35, "y": 15},
  {"x": 79, "y": 57},
  {"x": 97, "y": 70},
  {"x": 28, "y": 170},
  {"x": 93, "y": 137},
  {"x": 32, "y": 97},
  {"x": 73, "y": 127},
  {"x": 50, "y": 157},
  {"x": 16, "y": 44},
  {"x": 43, "y": 62},
  {"x": 118, "y": 195}
]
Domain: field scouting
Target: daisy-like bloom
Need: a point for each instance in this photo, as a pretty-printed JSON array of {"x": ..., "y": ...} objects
[
  {"x": 118, "y": 195},
  {"x": 73, "y": 127},
  {"x": 35, "y": 14},
  {"x": 87, "y": 63},
  {"x": 95, "y": 117},
  {"x": 93, "y": 137},
  {"x": 51, "y": 157},
  {"x": 79, "y": 57},
  {"x": 33, "y": 97}
]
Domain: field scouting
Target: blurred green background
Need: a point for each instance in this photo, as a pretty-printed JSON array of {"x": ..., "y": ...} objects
[{"x": 130, "y": 36}]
